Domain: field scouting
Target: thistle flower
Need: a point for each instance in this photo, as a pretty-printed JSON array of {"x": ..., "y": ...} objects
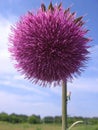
[{"x": 49, "y": 45}]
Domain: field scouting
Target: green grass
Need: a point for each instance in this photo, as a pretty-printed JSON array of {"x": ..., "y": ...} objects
[
  {"x": 9, "y": 126},
  {"x": 84, "y": 127}
]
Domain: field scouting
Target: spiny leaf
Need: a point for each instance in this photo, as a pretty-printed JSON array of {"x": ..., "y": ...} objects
[
  {"x": 81, "y": 23},
  {"x": 67, "y": 10},
  {"x": 30, "y": 13},
  {"x": 50, "y": 7},
  {"x": 73, "y": 13},
  {"x": 60, "y": 5},
  {"x": 78, "y": 19},
  {"x": 70, "y": 16},
  {"x": 43, "y": 7}
]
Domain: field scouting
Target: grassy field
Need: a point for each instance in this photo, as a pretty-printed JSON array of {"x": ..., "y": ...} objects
[{"x": 8, "y": 126}]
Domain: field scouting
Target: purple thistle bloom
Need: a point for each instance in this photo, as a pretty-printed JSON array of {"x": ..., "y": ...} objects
[{"x": 49, "y": 45}]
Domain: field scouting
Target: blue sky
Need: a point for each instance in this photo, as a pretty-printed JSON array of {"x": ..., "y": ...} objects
[{"x": 20, "y": 96}]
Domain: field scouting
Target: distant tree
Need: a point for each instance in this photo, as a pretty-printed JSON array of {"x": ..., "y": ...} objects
[
  {"x": 93, "y": 120},
  {"x": 13, "y": 118},
  {"x": 71, "y": 120},
  {"x": 23, "y": 118},
  {"x": 48, "y": 119},
  {"x": 4, "y": 116},
  {"x": 58, "y": 119},
  {"x": 33, "y": 119}
]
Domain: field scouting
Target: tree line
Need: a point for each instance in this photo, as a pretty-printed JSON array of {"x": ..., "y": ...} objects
[{"x": 36, "y": 119}]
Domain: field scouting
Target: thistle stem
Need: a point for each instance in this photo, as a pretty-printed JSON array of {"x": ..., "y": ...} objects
[{"x": 64, "y": 105}]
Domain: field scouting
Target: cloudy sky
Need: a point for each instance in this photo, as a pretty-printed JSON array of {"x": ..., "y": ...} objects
[{"x": 20, "y": 96}]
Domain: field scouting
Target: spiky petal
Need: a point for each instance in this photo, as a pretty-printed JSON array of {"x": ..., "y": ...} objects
[{"x": 49, "y": 46}]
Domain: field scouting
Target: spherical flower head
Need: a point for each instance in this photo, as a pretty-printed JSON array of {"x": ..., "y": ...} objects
[{"x": 49, "y": 45}]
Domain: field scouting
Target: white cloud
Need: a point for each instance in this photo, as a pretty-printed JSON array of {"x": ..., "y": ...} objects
[
  {"x": 26, "y": 105},
  {"x": 5, "y": 62},
  {"x": 4, "y": 31},
  {"x": 24, "y": 87},
  {"x": 84, "y": 84},
  {"x": 94, "y": 51},
  {"x": 57, "y": 90},
  {"x": 93, "y": 62}
]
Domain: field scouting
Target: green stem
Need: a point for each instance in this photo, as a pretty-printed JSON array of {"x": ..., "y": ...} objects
[{"x": 64, "y": 105}]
